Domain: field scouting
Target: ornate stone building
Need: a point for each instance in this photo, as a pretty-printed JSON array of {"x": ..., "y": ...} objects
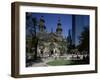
[{"x": 50, "y": 43}]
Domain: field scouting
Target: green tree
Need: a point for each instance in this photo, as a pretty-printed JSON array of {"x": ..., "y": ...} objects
[
  {"x": 69, "y": 42},
  {"x": 35, "y": 38},
  {"x": 31, "y": 27},
  {"x": 29, "y": 34},
  {"x": 84, "y": 40}
]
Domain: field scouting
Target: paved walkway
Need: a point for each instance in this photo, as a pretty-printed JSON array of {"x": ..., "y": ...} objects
[{"x": 44, "y": 63}]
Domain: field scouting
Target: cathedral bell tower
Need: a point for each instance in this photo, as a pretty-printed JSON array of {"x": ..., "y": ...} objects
[
  {"x": 59, "y": 28},
  {"x": 42, "y": 24}
]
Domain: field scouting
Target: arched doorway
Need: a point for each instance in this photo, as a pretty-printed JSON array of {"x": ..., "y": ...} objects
[{"x": 51, "y": 47}]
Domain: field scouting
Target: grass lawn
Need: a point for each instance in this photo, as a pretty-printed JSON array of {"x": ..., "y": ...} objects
[{"x": 66, "y": 62}]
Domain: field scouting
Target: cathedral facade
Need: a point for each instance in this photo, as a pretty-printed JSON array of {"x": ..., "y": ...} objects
[{"x": 50, "y": 43}]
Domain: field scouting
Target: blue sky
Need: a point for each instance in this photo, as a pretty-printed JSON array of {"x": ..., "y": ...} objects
[{"x": 51, "y": 21}]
